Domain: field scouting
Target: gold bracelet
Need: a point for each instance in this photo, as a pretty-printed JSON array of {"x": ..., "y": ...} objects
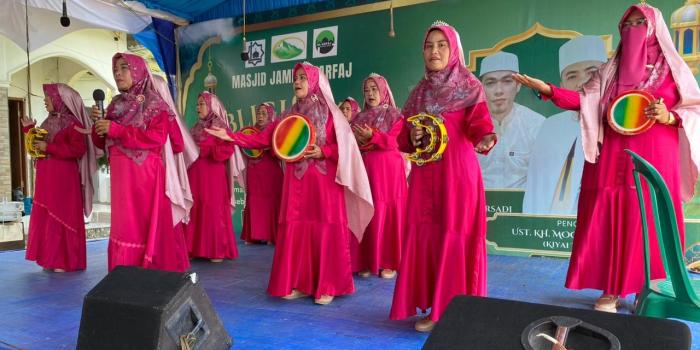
[{"x": 671, "y": 119}]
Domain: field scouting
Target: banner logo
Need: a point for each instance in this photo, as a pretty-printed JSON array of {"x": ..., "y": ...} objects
[
  {"x": 288, "y": 47},
  {"x": 256, "y": 50},
  {"x": 325, "y": 42}
]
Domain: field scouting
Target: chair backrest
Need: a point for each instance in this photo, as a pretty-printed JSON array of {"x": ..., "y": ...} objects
[{"x": 665, "y": 222}]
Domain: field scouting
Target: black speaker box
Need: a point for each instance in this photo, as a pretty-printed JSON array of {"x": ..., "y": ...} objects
[
  {"x": 489, "y": 323},
  {"x": 135, "y": 308}
]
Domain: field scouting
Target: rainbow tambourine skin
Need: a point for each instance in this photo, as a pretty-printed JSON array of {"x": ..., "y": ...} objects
[
  {"x": 250, "y": 152},
  {"x": 292, "y": 137},
  {"x": 626, "y": 112}
]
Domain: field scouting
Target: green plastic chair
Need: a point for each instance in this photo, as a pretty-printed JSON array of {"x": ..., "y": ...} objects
[{"x": 676, "y": 296}]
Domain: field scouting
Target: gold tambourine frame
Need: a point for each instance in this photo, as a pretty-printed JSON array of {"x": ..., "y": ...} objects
[
  {"x": 437, "y": 138},
  {"x": 34, "y": 134}
]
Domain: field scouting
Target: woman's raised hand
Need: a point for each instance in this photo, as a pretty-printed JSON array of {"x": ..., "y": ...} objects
[
  {"x": 533, "y": 83},
  {"x": 219, "y": 132}
]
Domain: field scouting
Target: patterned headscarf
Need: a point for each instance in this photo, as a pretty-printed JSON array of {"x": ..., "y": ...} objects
[
  {"x": 60, "y": 118},
  {"x": 450, "y": 89},
  {"x": 216, "y": 117},
  {"x": 271, "y": 114},
  {"x": 137, "y": 106},
  {"x": 383, "y": 116}
]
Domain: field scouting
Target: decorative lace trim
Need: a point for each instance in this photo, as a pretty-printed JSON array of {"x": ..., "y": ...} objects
[
  {"x": 55, "y": 217},
  {"x": 127, "y": 244}
]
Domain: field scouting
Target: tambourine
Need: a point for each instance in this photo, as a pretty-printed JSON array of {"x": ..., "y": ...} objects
[
  {"x": 626, "y": 113},
  {"x": 292, "y": 137},
  {"x": 434, "y": 143},
  {"x": 251, "y": 152},
  {"x": 35, "y": 134}
]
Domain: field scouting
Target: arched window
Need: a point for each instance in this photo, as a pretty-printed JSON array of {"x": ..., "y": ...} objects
[
  {"x": 688, "y": 40},
  {"x": 676, "y": 40}
]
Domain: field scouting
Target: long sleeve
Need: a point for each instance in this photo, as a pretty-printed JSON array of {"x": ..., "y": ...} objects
[
  {"x": 262, "y": 139},
  {"x": 98, "y": 140},
  {"x": 175, "y": 134},
  {"x": 479, "y": 123},
  {"x": 668, "y": 90},
  {"x": 404, "y": 138},
  {"x": 564, "y": 98},
  {"x": 25, "y": 129},
  {"x": 216, "y": 149},
  {"x": 387, "y": 140},
  {"x": 152, "y": 137},
  {"x": 330, "y": 149},
  {"x": 71, "y": 145}
]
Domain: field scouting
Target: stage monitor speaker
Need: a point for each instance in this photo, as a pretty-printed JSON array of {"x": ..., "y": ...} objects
[
  {"x": 489, "y": 323},
  {"x": 135, "y": 308}
]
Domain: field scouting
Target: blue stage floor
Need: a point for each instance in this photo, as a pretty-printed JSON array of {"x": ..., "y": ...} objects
[{"x": 41, "y": 310}]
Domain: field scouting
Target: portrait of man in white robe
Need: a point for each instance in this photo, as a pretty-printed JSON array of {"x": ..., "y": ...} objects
[
  {"x": 554, "y": 176},
  {"x": 516, "y": 126}
]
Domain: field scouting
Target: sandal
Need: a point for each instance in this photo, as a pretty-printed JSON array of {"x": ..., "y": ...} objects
[
  {"x": 607, "y": 303},
  {"x": 424, "y": 325}
]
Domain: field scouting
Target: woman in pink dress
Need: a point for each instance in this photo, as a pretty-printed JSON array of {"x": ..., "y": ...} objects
[
  {"x": 350, "y": 108},
  {"x": 607, "y": 252},
  {"x": 322, "y": 195},
  {"x": 444, "y": 253},
  {"x": 376, "y": 129},
  {"x": 210, "y": 230},
  {"x": 63, "y": 189},
  {"x": 263, "y": 188},
  {"x": 134, "y": 133}
]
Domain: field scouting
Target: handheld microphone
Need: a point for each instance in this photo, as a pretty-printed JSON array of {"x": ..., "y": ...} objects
[
  {"x": 99, "y": 96},
  {"x": 65, "y": 21}
]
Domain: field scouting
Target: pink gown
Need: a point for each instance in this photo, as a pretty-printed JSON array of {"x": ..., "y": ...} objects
[
  {"x": 210, "y": 230},
  {"x": 56, "y": 229},
  {"x": 607, "y": 251},
  {"x": 263, "y": 195},
  {"x": 381, "y": 244},
  {"x": 312, "y": 252},
  {"x": 142, "y": 232},
  {"x": 444, "y": 252}
]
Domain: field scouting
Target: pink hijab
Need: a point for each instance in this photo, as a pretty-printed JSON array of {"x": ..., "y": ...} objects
[
  {"x": 271, "y": 118},
  {"x": 314, "y": 107},
  {"x": 354, "y": 106},
  {"x": 137, "y": 106},
  {"x": 383, "y": 116},
  {"x": 451, "y": 89},
  {"x": 271, "y": 114},
  {"x": 351, "y": 172},
  {"x": 69, "y": 110},
  {"x": 663, "y": 57},
  {"x": 219, "y": 117},
  {"x": 177, "y": 186}
]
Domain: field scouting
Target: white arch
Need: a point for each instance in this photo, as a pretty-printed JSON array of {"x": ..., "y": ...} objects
[{"x": 102, "y": 72}]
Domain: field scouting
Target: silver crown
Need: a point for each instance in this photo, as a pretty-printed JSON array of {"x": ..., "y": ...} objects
[
  {"x": 374, "y": 75},
  {"x": 440, "y": 23}
]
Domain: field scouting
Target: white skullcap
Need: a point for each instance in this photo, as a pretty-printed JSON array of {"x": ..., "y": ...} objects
[
  {"x": 583, "y": 48},
  {"x": 498, "y": 62}
]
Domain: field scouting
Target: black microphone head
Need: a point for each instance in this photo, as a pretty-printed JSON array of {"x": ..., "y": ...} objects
[
  {"x": 245, "y": 56},
  {"x": 65, "y": 21},
  {"x": 98, "y": 95}
]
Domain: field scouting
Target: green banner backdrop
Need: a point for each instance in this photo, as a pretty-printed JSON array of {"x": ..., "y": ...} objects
[{"x": 352, "y": 42}]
